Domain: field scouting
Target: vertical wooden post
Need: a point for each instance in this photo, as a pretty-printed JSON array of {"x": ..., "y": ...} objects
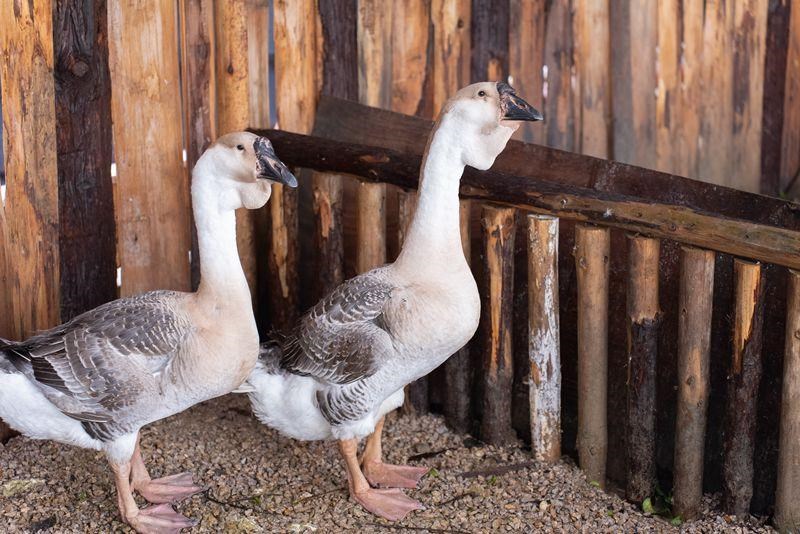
[
  {"x": 592, "y": 249},
  {"x": 258, "y": 25},
  {"x": 744, "y": 377},
  {"x": 696, "y": 301},
  {"x": 790, "y": 160},
  {"x": 296, "y": 28},
  {"x": 456, "y": 407},
  {"x": 498, "y": 365},
  {"x": 544, "y": 341},
  {"x": 152, "y": 193},
  {"x": 643, "y": 321},
  {"x": 527, "y": 31},
  {"x": 199, "y": 114},
  {"x": 371, "y": 226},
  {"x": 787, "y": 513}
]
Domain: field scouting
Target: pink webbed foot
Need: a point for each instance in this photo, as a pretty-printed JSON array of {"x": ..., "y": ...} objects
[
  {"x": 383, "y": 475},
  {"x": 159, "y": 519},
  {"x": 168, "y": 490},
  {"x": 391, "y": 504}
]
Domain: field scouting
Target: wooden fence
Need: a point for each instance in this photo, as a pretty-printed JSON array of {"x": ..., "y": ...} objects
[{"x": 701, "y": 89}]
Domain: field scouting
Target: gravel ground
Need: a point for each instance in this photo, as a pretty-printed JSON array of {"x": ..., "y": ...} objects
[{"x": 262, "y": 482}]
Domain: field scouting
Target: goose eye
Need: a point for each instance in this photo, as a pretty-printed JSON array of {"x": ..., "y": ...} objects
[
  {"x": 240, "y": 147},
  {"x": 481, "y": 93}
]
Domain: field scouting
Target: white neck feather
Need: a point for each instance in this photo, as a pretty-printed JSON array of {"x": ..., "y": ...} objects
[{"x": 434, "y": 232}]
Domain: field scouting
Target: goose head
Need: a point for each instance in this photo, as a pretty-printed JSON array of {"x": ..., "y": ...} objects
[
  {"x": 483, "y": 116},
  {"x": 241, "y": 167}
]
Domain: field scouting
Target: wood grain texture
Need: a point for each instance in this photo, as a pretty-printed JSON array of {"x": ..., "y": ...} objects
[
  {"x": 298, "y": 65},
  {"x": 592, "y": 249},
  {"x": 489, "y": 43},
  {"x": 87, "y": 247},
  {"x": 644, "y": 316},
  {"x": 451, "y": 49},
  {"x": 544, "y": 338},
  {"x": 790, "y": 162},
  {"x": 787, "y": 514},
  {"x": 560, "y": 109},
  {"x": 526, "y": 45},
  {"x": 744, "y": 376},
  {"x": 30, "y": 162},
  {"x": 199, "y": 93},
  {"x": 593, "y": 64},
  {"x": 152, "y": 194},
  {"x": 497, "y": 376},
  {"x": 258, "y": 25},
  {"x": 694, "y": 342}
]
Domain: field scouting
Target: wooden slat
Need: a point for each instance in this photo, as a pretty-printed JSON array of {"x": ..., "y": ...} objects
[
  {"x": 497, "y": 374},
  {"x": 152, "y": 194},
  {"x": 644, "y": 317},
  {"x": 258, "y": 63},
  {"x": 694, "y": 227},
  {"x": 32, "y": 194},
  {"x": 199, "y": 114},
  {"x": 790, "y": 163},
  {"x": 526, "y": 59},
  {"x": 559, "y": 108},
  {"x": 592, "y": 246},
  {"x": 296, "y": 33},
  {"x": 694, "y": 341},
  {"x": 774, "y": 84},
  {"x": 489, "y": 42},
  {"x": 634, "y": 41},
  {"x": 544, "y": 343},
  {"x": 457, "y": 368},
  {"x": 451, "y": 49},
  {"x": 592, "y": 63},
  {"x": 749, "y": 39},
  {"x": 744, "y": 377},
  {"x": 87, "y": 247},
  {"x": 787, "y": 513}
]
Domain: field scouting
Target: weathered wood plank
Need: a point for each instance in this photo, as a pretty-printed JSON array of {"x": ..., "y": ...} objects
[
  {"x": 744, "y": 377},
  {"x": 790, "y": 163},
  {"x": 87, "y": 247},
  {"x": 451, "y": 49},
  {"x": 152, "y": 193},
  {"x": 32, "y": 188},
  {"x": 774, "y": 84},
  {"x": 592, "y": 249},
  {"x": 592, "y": 63},
  {"x": 644, "y": 316},
  {"x": 706, "y": 230},
  {"x": 559, "y": 108},
  {"x": 497, "y": 375},
  {"x": 297, "y": 57},
  {"x": 787, "y": 513},
  {"x": 258, "y": 63},
  {"x": 489, "y": 42},
  {"x": 544, "y": 343},
  {"x": 526, "y": 42},
  {"x": 199, "y": 114},
  {"x": 694, "y": 341}
]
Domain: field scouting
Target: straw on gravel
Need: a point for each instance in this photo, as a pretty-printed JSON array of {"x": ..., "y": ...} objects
[{"x": 260, "y": 481}]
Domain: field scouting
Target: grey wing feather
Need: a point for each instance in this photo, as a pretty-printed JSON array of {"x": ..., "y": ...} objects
[
  {"x": 340, "y": 340},
  {"x": 97, "y": 363}
]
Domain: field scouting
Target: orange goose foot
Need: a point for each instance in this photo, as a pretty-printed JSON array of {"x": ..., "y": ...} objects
[
  {"x": 168, "y": 490},
  {"x": 391, "y": 504},
  {"x": 383, "y": 475}
]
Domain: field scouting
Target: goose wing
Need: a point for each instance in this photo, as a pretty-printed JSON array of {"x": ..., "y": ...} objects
[
  {"x": 343, "y": 338},
  {"x": 101, "y": 362}
]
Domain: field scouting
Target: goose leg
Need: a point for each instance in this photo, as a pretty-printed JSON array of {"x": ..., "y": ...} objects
[
  {"x": 391, "y": 504},
  {"x": 384, "y": 475},
  {"x": 159, "y": 519},
  {"x": 170, "y": 489}
]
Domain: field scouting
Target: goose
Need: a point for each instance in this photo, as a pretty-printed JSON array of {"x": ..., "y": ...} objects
[
  {"x": 96, "y": 380},
  {"x": 344, "y": 365}
]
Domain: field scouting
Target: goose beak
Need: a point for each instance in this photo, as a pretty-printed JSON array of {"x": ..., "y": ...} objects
[
  {"x": 514, "y": 108},
  {"x": 268, "y": 166}
]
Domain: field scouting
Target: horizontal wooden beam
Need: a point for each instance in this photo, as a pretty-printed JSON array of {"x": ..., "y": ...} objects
[
  {"x": 703, "y": 229},
  {"x": 354, "y": 123}
]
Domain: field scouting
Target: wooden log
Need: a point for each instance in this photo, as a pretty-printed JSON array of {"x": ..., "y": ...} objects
[
  {"x": 787, "y": 513},
  {"x": 350, "y": 122},
  {"x": 644, "y": 317},
  {"x": 790, "y": 161},
  {"x": 526, "y": 40},
  {"x": 451, "y": 49},
  {"x": 694, "y": 340},
  {"x": 258, "y": 25},
  {"x": 152, "y": 190},
  {"x": 744, "y": 377},
  {"x": 457, "y": 368},
  {"x": 559, "y": 107},
  {"x": 197, "y": 62},
  {"x": 763, "y": 242},
  {"x": 489, "y": 44},
  {"x": 544, "y": 338},
  {"x": 83, "y": 136},
  {"x": 774, "y": 85},
  {"x": 592, "y": 246},
  {"x": 296, "y": 84},
  {"x": 593, "y": 64},
  {"x": 371, "y": 226},
  {"x": 30, "y": 163},
  {"x": 496, "y": 310}
]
